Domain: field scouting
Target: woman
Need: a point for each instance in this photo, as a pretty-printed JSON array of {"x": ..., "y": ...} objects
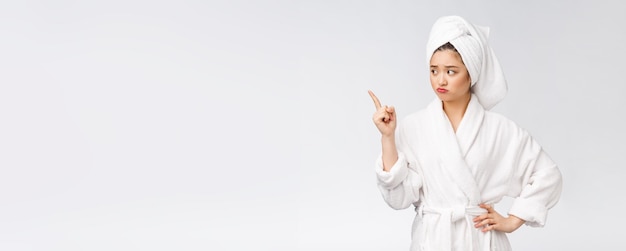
[{"x": 455, "y": 159}]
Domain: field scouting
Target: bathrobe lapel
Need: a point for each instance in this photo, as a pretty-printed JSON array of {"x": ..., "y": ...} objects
[{"x": 453, "y": 147}]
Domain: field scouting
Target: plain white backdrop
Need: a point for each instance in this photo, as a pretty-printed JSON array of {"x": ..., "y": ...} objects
[{"x": 246, "y": 125}]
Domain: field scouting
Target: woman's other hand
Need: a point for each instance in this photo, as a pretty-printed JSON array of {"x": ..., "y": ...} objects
[{"x": 492, "y": 220}]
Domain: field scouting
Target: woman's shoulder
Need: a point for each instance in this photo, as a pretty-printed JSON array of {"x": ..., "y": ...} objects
[
  {"x": 497, "y": 122},
  {"x": 414, "y": 118},
  {"x": 497, "y": 118}
]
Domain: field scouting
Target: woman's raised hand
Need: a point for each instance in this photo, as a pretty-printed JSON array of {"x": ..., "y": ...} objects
[{"x": 384, "y": 117}]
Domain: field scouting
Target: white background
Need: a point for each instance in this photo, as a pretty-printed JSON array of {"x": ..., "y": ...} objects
[{"x": 246, "y": 125}]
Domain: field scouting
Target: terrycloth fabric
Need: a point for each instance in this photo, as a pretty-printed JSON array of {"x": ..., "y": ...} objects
[
  {"x": 488, "y": 82},
  {"x": 446, "y": 175}
]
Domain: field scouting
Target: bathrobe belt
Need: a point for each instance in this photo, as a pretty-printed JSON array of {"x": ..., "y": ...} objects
[
  {"x": 449, "y": 216},
  {"x": 455, "y": 213}
]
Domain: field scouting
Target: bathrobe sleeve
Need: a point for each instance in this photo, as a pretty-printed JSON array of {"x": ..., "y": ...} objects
[
  {"x": 400, "y": 186},
  {"x": 536, "y": 183}
]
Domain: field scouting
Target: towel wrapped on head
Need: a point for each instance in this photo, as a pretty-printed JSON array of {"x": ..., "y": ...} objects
[{"x": 488, "y": 82}]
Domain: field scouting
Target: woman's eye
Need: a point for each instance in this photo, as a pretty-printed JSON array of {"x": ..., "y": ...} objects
[
  {"x": 433, "y": 71},
  {"x": 451, "y": 72}
]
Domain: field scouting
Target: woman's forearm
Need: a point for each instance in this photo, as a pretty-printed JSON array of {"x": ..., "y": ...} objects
[{"x": 390, "y": 153}]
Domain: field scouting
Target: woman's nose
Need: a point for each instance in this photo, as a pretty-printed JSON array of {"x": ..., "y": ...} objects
[{"x": 441, "y": 80}]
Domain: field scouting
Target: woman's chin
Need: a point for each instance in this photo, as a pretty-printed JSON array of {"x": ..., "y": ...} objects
[{"x": 443, "y": 97}]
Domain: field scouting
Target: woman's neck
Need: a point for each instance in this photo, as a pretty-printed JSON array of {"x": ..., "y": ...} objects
[{"x": 455, "y": 110}]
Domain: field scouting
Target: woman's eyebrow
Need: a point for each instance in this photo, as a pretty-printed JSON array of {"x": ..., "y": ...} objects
[{"x": 446, "y": 66}]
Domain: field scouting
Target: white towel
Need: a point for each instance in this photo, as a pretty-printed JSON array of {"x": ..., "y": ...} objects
[{"x": 488, "y": 82}]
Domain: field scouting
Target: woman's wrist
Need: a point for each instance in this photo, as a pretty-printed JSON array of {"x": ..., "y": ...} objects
[
  {"x": 515, "y": 221},
  {"x": 391, "y": 138}
]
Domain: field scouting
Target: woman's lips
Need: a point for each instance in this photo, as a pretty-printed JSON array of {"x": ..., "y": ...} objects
[{"x": 441, "y": 90}]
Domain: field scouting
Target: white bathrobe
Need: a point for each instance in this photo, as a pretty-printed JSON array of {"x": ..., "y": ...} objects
[{"x": 447, "y": 175}]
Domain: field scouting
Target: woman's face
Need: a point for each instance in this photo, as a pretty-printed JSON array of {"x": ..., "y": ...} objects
[{"x": 448, "y": 76}]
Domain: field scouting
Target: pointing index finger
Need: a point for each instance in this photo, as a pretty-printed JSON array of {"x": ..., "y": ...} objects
[{"x": 375, "y": 99}]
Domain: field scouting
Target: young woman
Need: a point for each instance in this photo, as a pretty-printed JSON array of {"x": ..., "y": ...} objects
[{"x": 455, "y": 159}]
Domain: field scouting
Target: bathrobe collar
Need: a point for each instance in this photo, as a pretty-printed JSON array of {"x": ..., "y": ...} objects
[{"x": 453, "y": 147}]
